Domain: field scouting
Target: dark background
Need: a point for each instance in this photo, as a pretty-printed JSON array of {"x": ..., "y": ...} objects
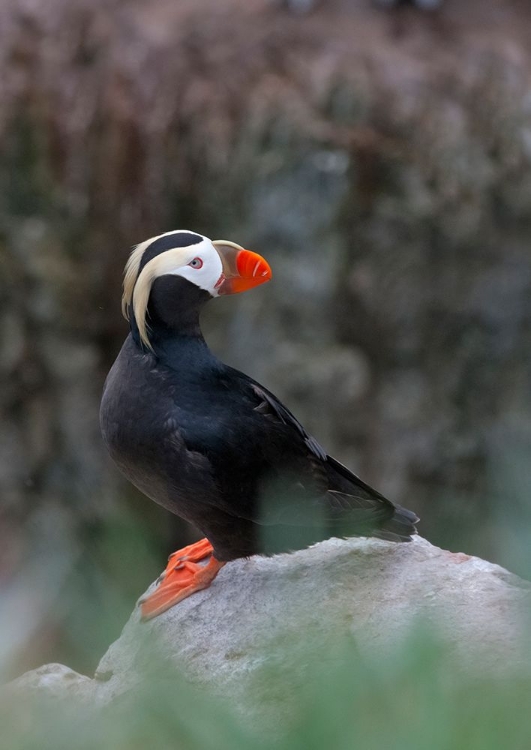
[{"x": 378, "y": 157}]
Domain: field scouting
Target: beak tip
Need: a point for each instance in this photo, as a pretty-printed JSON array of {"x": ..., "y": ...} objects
[{"x": 243, "y": 269}]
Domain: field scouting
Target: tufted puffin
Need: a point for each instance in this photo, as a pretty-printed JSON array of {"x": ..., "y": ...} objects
[{"x": 209, "y": 443}]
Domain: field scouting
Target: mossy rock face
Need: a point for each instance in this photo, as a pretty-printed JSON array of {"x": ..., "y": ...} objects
[{"x": 379, "y": 159}]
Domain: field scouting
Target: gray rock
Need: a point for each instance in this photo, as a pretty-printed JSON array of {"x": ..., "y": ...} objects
[
  {"x": 264, "y": 612},
  {"x": 54, "y": 681}
]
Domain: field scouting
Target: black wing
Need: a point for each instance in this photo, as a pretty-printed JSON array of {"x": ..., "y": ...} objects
[{"x": 338, "y": 494}]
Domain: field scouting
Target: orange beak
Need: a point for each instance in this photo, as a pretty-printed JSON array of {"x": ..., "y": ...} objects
[{"x": 242, "y": 269}]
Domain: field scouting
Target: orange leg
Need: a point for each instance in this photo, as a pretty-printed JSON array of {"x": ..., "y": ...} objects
[{"x": 184, "y": 575}]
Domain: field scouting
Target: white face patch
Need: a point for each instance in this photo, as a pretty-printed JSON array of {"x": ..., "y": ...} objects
[{"x": 205, "y": 271}]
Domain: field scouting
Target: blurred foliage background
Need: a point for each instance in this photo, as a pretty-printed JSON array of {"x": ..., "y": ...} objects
[{"x": 379, "y": 157}]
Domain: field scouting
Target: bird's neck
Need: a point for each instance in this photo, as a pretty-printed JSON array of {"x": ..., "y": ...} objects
[
  {"x": 173, "y": 314},
  {"x": 186, "y": 355}
]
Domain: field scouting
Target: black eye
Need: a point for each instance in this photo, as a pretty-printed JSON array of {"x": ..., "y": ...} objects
[{"x": 196, "y": 263}]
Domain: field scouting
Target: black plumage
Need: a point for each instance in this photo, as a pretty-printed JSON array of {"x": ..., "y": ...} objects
[{"x": 218, "y": 449}]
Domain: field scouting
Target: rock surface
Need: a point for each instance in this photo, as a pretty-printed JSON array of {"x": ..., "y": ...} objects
[
  {"x": 56, "y": 681},
  {"x": 265, "y": 612}
]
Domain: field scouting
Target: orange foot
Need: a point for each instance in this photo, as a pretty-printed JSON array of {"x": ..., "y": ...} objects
[{"x": 182, "y": 577}]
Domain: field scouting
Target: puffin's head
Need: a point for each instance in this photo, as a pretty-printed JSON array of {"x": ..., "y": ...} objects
[{"x": 213, "y": 268}]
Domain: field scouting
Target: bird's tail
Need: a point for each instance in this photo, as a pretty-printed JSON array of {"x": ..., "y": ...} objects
[{"x": 399, "y": 528}]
